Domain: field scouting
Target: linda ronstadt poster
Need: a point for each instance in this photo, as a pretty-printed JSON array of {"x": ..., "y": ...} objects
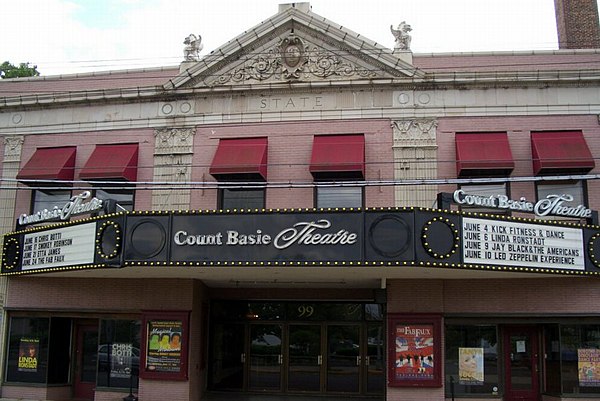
[{"x": 28, "y": 354}]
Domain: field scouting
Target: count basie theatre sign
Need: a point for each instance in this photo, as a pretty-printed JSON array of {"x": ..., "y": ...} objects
[{"x": 393, "y": 237}]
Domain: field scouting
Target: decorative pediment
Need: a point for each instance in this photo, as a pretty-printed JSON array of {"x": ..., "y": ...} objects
[
  {"x": 294, "y": 47},
  {"x": 294, "y": 59}
]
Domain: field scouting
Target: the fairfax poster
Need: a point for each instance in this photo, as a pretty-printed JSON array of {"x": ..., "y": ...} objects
[
  {"x": 66, "y": 246},
  {"x": 414, "y": 352},
  {"x": 504, "y": 243},
  {"x": 164, "y": 345}
]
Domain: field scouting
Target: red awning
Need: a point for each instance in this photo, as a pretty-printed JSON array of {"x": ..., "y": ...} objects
[
  {"x": 246, "y": 156},
  {"x": 50, "y": 164},
  {"x": 560, "y": 151},
  {"x": 483, "y": 153},
  {"x": 112, "y": 162},
  {"x": 338, "y": 155}
]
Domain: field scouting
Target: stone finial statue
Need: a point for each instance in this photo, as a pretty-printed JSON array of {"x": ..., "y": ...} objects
[
  {"x": 193, "y": 45},
  {"x": 402, "y": 37}
]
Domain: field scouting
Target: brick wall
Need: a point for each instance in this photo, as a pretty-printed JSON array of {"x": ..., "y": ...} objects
[
  {"x": 519, "y": 130},
  {"x": 289, "y": 153},
  {"x": 99, "y": 294},
  {"x": 535, "y": 295},
  {"x": 577, "y": 24}
]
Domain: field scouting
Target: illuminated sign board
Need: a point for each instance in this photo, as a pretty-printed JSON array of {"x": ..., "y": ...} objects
[
  {"x": 393, "y": 238},
  {"x": 74, "y": 207},
  {"x": 552, "y": 205},
  {"x": 504, "y": 243},
  {"x": 66, "y": 246}
]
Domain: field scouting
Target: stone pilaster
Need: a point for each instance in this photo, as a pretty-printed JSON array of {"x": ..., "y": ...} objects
[
  {"x": 415, "y": 157},
  {"x": 10, "y": 168},
  {"x": 173, "y": 151}
]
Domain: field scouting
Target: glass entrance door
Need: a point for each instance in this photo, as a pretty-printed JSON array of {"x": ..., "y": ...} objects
[
  {"x": 305, "y": 358},
  {"x": 375, "y": 362},
  {"x": 265, "y": 357},
  {"x": 343, "y": 358},
  {"x": 87, "y": 359},
  {"x": 521, "y": 363},
  {"x": 228, "y": 357},
  {"x": 313, "y": 349}
]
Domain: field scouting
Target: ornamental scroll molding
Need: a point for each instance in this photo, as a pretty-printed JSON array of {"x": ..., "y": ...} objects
[
  {"x": 294, "y": 60},
  {"x": 12, "y": 148},
  {"x": 173, "y": 140},
  {"x": 414, "y": 132}
]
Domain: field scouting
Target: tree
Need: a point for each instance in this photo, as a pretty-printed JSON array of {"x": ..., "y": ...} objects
[{"x": 7, "y": 70}]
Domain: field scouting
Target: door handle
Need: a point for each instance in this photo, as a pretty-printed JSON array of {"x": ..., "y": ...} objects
[
  {"x": 280, "y": 359},
  {"x": 367, "y": 360},
  {"x": 243, "y": 358},
  {"x": 358, "y": 361},
  {"x": 320, "y": 360}
]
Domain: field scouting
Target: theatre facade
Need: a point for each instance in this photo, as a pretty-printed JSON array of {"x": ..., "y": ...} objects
[{"x": 304, "y": 211}]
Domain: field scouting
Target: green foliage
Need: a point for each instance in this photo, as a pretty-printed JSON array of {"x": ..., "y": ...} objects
[{"x": 8, "y": 70}]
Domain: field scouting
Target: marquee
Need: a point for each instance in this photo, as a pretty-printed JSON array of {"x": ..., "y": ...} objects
[{"x": 356, "y": 238}]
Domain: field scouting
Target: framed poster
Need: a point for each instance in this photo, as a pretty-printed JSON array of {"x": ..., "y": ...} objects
[
  {"x": 415, "y": 350},
  {"x": 588, "y": 367},
  {"x": 165, "y": 345}
]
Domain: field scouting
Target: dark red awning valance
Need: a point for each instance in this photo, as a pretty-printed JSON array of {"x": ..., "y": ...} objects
[
  {"x": 50, "y": 164},
  {"x": 112, "y": 162},
  {"x": 560, "y": 151},
  {"x": 483, "y": 153},
  {"x": 338, "y": 155},
  {"x": 245, "y": 156}
]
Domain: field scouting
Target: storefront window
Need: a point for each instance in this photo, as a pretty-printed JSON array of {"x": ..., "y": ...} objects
[
  {"x": 552, "y": 359},
  {"x": 27, "y": 360},
  {"x": 471, "y": 360},
  {"x": 580, "y": 351},
  {"x": 119, "y": 353}
]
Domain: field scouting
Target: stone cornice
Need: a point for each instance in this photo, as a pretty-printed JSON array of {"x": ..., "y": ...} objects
[{"x": 445, "y": 80}]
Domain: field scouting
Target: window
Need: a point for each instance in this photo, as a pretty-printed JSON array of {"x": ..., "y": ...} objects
[
  {"x": 576, "y": 189},
  {"x": 486, "y": 190},
  {"x": 253, "y": 198},
  {"x": 47, "y": 199},
  {"x": 471, "y": 359},
  {"x": 338, "y": 158},
  {"x": 123, "y": 198},
  {"x": 119, "y": 353},
  {"x": 38, "y": 350},
  {"x": 27, "y": 359},
  {"x": 580, "y": 351},
  {"x": 338, "y": 197}
]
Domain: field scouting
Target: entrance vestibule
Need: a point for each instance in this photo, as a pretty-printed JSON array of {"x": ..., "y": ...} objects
[{"x": 296, "y": 347}]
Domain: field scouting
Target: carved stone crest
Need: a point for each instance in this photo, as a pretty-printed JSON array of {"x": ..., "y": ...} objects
[{"x": 293, "y": 56}]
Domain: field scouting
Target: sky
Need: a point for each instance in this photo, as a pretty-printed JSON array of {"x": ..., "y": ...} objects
[{"x": 70, "y": 36}]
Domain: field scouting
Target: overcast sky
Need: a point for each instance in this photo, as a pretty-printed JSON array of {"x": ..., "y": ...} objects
[{"x": 66, "y": 36}]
